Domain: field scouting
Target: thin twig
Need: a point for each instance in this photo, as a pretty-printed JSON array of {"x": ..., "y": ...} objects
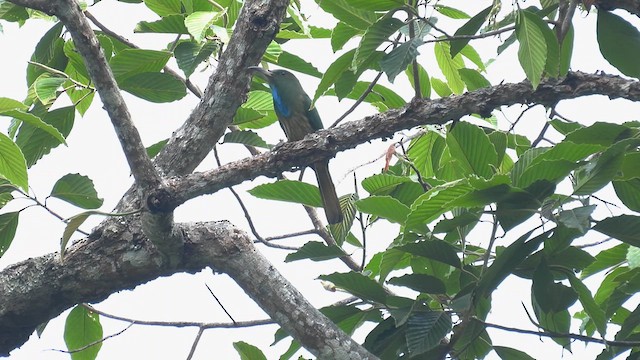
[
  {"x": 290, "y": 235},
  {"x": 540, "y": 137},
  {"x": 182, "y": 324},
  {"x": 552, "y": 334},
  {"x": 219, "y": 303},
  {"x": 359, "y": 101},
  {"x": 492, "y": 240},
  {"x": 195, "y": 343},
  {"x": 248, "y": 216}
]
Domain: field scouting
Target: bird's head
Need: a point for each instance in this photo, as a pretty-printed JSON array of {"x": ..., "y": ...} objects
[{"x": 282, "y": 80}]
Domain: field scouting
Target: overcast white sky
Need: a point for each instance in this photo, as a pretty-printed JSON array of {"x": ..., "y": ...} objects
[{"x": 93, "y": 151}]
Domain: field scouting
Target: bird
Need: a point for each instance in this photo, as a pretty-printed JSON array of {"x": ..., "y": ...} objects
[{"x": 297, "y": 119}]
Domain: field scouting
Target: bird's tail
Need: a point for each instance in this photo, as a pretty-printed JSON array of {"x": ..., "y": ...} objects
[{"x": 328, "y": 192}]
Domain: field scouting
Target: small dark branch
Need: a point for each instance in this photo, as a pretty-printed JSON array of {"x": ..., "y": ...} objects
[
  {"x": 414, "y": 63},
  {"x": 195, "y": 343},
  {"x": 424, "y": 185},
  {"x": 487, "y": 255},
  {"x": 552, "y": 334},
  {"x": 359, "y": 101},
  {"x": 584, "y": 246},
  {"x": 565, "y": 15},
  {"x": 290, "y": 235},
  {"x": 248, "y": 216},
  {"x": 540, "y": 137},
  {"x": 473, "y": 37},
  {"x": 328, "y": 238},
  {"x": 363, "y": 226},
  {"x": 219, "y": 303},
  {"x": 191, "y": 86}
]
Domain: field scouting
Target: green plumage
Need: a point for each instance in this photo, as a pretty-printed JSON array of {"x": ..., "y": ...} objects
[{"x": 297, "y": 119}]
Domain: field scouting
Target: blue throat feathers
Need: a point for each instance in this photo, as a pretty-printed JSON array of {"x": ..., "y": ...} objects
[{"x": 280, "y": 106}]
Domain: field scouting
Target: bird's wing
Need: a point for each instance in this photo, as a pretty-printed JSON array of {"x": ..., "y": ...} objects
[{"x": 312, "y": 114}]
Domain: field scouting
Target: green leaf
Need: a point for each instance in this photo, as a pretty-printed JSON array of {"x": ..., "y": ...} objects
[
  {"x": 343, "y": 11},
  {"x": 577, "y": 218},
  {"x": 8, "y": 226},
  {"x": 199, "y": 22},
  {"x": 10, "y": 104},
  {"x": 73, "y": 223},
  {"x": 532, "y": 52},
  {"x": 35, "y": 122},
  {"x": 599, "y": 171},
  {"x": 420, "y": 282},
  {"x": 190, "y": 54},
  {"x": 358, "y": 285},
  {"x": 78, "y": 190},
  {"x": 13, "y": 166},
  {"x": 423, "y": 78},
  {"x": 289, "y": 190},
  {"x": 377, "y": 5},
  {"x": 619, "y": 42},
  {"x": 600, "y": 133},
  {"x": 628, "y": 192},
  {"x": 507, "y": 260},
  {"x": 164, "y": 7},
  {"x": 245, "y": 137},
  {"x": 507, "y": 353},
  {"x": 451, "y": 12},
  {"x": 333, "y": 73},
  {"x": 296, "y": 63},
  {"x": 551, "y": 296},
  {"x": 425, "y": 330},
  {"x": 595, "y": 312},
  {"x": 471, "y": 27},
  {"x": 472, "y": 149},
  {"x": 438, "y": 250},
  {"x": 341, "y": 34},
  {"x": 248, "y": 351},
  {"x": 434, "y": 203},
  {"x": 375, "y": 35},
  {"x": 154, "y": 86},
  {"x": 171, "y": 24},
  {"x": 440, "y": 87},
  {"x": 82, "y": 328},
  {"x": 316, "y": 251},
  {"x": 46, "y": 88},
  {"x": 606, "y": 259},
  {"x": 473, "y": 79},
  {"x": 566, "y": 51},
  {"x": 155, "y": 149},
  {"x": 399, "y": 58},
  {"x": 625, "y": 228},
  {"x": 383, "y": 184},
  {"x": 36, "y": 141},
  {"x": 48, "y": 51},
  {"x": 450, "y": 66},
  {"x": 385, "y": 207},
  {"x": 130, "y": 62}
]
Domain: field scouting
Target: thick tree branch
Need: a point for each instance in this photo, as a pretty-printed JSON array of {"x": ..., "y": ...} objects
[
  {"x": 326, "y": 143},
  {"x": 256, "y": 26},
  {"x": 39, "y": 289},
  {"x": 70, "y": 14}
]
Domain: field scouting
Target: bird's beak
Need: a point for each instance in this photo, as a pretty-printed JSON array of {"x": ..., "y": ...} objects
[{"x": 266, "y": 74}]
